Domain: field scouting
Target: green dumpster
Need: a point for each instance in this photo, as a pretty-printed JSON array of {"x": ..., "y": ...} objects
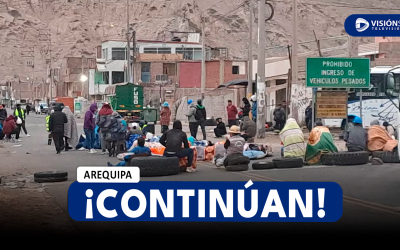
[{"x": 150, "y": 114}]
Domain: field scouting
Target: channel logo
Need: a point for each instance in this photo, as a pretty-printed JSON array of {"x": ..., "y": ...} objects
[
  {"x": 361, "y": 24},
  {"x": 373, "y": 25}
]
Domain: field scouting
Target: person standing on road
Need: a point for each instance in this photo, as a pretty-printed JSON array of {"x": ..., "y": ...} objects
[
  {"x": 201, "y": 116},
  {"x": 56, "y": 127},
  {"x": 165, "y": 117},
  {"x": 70, "y": 130},
  {"x": 247, "y": 107},
  {"x": 3, "y": 114},
  {"x": 356, "y": 138},
  {"x": 28, "y": 109},
  {"x": 308, "y": 114},
  {"x": 21, "y": 114},
  {"x": 172, "y": 140},
  {"x": 253, "y": 99},
  {"x": 192, "y": 119},
  {"x": 88, "y": 127},
  {"x": 279, "y": 117},
  {"x": 103, "y": 120},
  {"x": 232, "y": 113}
]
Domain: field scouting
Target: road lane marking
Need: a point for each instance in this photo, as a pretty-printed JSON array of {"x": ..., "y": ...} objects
[{"x": 371, "y": 205}]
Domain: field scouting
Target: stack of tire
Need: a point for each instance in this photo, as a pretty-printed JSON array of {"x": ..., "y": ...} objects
[
  {"x": 345, "y": 158},
  {"x": 386, "y": 157},
  {"x": 279, "y": 163},
  {"x": 152, "y": 166}
]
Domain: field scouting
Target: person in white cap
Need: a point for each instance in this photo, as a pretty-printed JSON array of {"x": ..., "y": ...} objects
[{"x": 233, "y": 145}]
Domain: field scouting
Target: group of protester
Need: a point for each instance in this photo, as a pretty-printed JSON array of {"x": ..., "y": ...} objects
[
  {"x": 12, "y": 124},
  {"x": 248, "y": 127},
  {"x": 357, "y": 138}
]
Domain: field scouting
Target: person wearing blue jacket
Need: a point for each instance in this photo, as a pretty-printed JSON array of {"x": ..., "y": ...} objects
[{"x": 254, "y": 108}]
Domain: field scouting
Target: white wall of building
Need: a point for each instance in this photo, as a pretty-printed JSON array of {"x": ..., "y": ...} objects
[{"x": 242, "y": 67}]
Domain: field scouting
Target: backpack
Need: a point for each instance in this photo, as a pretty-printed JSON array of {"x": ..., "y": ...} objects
[{"x": 199, "y": 114}]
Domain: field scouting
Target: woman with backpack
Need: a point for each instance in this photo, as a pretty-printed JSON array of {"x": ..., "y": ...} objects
[{"x": 117, "y": 132}]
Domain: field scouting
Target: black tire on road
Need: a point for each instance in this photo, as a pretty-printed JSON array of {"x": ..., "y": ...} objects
[
  {"x": 294, "y": 162},
  {"x": 151, "y": 166},
  {"x": 51, "y": 174},
  {"x": 241, "y": 167},
  {"x": 263, "y": 165},
  {"x": 50, "y": 179},
  {"x": 345, "y": 158},
  {"x": 386, "y": 157}
]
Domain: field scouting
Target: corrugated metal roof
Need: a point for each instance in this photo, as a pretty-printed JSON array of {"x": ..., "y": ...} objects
[{"x": 368, "y": 49}]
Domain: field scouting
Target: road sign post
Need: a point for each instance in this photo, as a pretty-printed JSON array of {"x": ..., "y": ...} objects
[{"x": 337, "y": 72}]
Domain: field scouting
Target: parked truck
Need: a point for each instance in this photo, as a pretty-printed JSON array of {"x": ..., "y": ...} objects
[{"x": 127, "y": 99}]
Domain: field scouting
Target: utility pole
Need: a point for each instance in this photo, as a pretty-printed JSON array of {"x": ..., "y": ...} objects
[
  {"x": 250, "y": 63},
  {"x": 261, "y": 71},
  {"x": 203, "y": 60},
  {"x": 128, "y": 52},
  {"x": 30, "y": 54},
  {"x": 47, "y": 37},
  {"x": 295, "y": 68},
  {"x": 134, "y": 55}
]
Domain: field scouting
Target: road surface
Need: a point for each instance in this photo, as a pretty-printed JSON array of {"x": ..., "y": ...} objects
[{"x": 371, "y": 193}]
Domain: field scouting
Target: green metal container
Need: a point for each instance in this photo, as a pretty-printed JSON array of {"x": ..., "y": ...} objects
[{"x": 150, "y": 114}]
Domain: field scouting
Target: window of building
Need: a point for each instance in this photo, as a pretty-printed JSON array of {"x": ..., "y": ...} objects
[
  {"x": 118, "y": 77},
  {"x": 187, "y": 53},
  {"x": 157, "y": 50},
  {"x": 235, "y": 70},
  {"x": 169, "y": 69},
  {"x": 164, "y": 50},
  {"x": 118, "y": 53},
  {"x": 197, "y": 54},
  {"x": 280, "y": 81},
  {"x": 106, "y": 77},
  {"x": 145, "y": 72}
]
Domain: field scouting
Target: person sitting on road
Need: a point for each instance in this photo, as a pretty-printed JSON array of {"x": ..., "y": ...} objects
[
  {"x": 356, "y": 138},
  {"x": 390, "y": 129},
  {"x": 138, "y": 151},
  {"x": 320, "y": 142},
  {"x": 220, "y": 130},
  {"x": 379, "y": 139},
  {"x": 172, "y": 141},
  {"x": 292, "y": 138},
  {"x": 234, "y": 145},
  {"x": 249, "y": 128},
  {"x": 9, "y": 127}
]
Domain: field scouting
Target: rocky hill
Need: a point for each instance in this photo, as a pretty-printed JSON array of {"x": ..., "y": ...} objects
[{"x": 78, "y": 26}]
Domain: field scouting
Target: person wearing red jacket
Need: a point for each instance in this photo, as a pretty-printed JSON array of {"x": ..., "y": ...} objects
[
  {"x": 9, "y": 127},
  {"x": 232, "y": 112}
]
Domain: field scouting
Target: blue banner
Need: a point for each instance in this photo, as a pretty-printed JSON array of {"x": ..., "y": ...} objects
[
  {"x": 373, "y": 25},
  {"x": 206, "y": 201}
]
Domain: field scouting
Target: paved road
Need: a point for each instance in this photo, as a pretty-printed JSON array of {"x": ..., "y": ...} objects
[{"x": 370, "y": 192}]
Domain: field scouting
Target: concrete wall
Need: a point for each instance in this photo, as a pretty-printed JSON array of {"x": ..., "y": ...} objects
[
  {"x": 215, "y": 103},
  {"x": 190, "y": 74},
  {"x": 217, "y": 73}
]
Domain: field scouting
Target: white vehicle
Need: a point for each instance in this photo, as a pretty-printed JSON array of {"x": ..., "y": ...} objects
[
  {"x": 41, "y": 111},
  {"x": 377, "y": 101}
]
